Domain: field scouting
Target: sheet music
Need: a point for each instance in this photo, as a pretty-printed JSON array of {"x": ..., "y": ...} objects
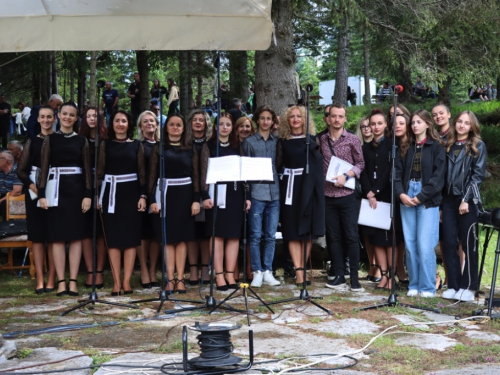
[
  {"x": 378, "y": 218},
  {"x": 256, "y": 169},
  {"x": 224, "y": 168},
  {"x": 33, "y": 179},
  {"x": 221, "y": 194},
  {"x": 338, "y": 166},
  {"x": 239, "y": 168}
]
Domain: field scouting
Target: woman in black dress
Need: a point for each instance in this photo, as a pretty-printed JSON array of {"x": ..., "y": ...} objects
[
  {"x": 122, "y": 175},
  {"x": 302, "y": 212},
  {"x": 149, "y": 136},
  {"x": 66, "y": 161},
  {"x": 181, "y": 197},
  {"x": 198, "y": 125},
  {"x": 375, "y": 182},
  {"x": 36, "y": 218},
  {"x": 90, "y": 121},
  {"x": 228, "y": 226}
]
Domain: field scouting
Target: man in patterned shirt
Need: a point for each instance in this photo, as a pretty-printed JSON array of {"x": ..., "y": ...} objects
[{"x": 341, "y": 208}]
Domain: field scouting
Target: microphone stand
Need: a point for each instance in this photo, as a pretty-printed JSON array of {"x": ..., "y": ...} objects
[
  {"x": 392, "y": 301},
  {"x": 93, "y": 298},
  {"x": 304, "y": 295},
  {"x": 210, "y": 302},
  {"x": 163, "y": 296}
]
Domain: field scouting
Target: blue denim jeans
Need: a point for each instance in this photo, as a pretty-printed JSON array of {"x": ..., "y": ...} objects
[
  {"x": 263, "y": 220},
  {"x": 421, "y": 232}
]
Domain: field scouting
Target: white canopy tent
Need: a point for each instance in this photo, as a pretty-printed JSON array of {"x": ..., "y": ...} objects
[{"x": 94, "y": 25}]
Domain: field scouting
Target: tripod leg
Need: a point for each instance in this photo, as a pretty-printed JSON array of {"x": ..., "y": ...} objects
[{"x": 261, "y": 301}]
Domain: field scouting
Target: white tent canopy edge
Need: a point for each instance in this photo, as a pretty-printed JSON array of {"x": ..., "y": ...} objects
[{"x": 94, "y": 25}]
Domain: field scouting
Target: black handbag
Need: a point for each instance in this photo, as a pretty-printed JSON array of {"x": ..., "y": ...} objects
[{"x": 13, "y": 228}]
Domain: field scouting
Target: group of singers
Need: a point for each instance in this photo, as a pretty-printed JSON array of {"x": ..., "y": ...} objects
[{"x": 437, "y": 178}]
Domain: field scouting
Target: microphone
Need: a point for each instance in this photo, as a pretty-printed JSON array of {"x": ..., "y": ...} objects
[
  {"x": 398, "y": 88},
  {"x": 309, "y": 87}
]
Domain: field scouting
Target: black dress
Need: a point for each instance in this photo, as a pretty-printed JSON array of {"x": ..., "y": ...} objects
[
  {"x": 376, "y": 178},
  {"x": 36, "y": 218},
  {"x": 89, "y": 215},
  {"x": 148, "y": 231},
  {"x": 200, "y": 218},
  {"x": 122, "y": 228},
  {"x": 305, "y": 215},
  {"x": 229, "y": 221},
  {"x": 178, "y": 164},
  {"x": 66, "y": 221}
]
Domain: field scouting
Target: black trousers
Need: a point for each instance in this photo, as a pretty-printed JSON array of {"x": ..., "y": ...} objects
[
  {"x": 172, "y": 108},
  {"x": 4, "y": 133},
  {"x": 342, "y": 231},
  {"x": 457, "y": 228}
]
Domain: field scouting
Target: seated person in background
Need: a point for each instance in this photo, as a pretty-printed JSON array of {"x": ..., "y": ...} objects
[
  {"x": 16, "y": 148},
  {"x": 235, "y": 109},
  {"x": 385, "y": 92},
  {"x": 420, "y": 88},
  {"x": 9, "y": 182}
]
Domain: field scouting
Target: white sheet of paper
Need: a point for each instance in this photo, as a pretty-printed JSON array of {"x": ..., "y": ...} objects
[
  {"x": 33, "y": 179},
  {"x": 256, "y": 169},
  {"x": 378, "y": 218},
  {"x": 224, "y": 168},
  {"x": 338, "y": 166},
  {"x": 221, "y": 194},
  {"x": 49, "y": 193}
]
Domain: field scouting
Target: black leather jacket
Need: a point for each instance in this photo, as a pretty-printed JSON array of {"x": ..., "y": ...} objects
[
  {"x": 464, "y": 175},
  {"x": 433, "y": 161}
]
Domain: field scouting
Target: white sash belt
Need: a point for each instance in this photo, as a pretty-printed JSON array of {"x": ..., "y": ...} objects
[
  {"x": 169, "y": 182},
  {"x": 289, "y": 187},
  {"x": 52, "y": 187},
  {"x": 114, "y": 179}
]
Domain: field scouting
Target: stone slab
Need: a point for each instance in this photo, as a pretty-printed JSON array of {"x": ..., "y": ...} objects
[{"x": 433, "y": 342}]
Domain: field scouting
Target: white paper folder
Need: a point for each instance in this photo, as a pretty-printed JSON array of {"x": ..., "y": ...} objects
[
  {"x": 239, "y": 168},
  {"x": 378, "y": 218}
]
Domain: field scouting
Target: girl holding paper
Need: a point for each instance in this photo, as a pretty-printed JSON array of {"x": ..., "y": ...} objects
[
  {"x": 36, "y": 218},
  {"x": 181, "y": 197},
  {"x": 122, "y": 197},
  {"x": 66, "y": 161},
  {"x": 375, "y": 182},
  {"x": 230, "y": 200},
  {"x": 419, "y": 181}
]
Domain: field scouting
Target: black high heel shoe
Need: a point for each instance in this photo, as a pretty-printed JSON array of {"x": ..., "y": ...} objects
[
  {"x": 194, "y": 282},
  {"x": 177, "y": 290},
  {"x": 70, "y": 292},
  {"x": 231, "y": 286},
  {"x": 97, "y": 286},
  {"x": 224, "y": 287},
  {"x": 65, "y": 291}
]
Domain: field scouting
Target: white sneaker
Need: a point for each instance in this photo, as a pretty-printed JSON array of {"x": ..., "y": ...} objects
[
  {"x": 412, "y": 293},
  {"x": 465, "y": 295},
  {"x": 269, "y": 279},
  {"x": 257, "y": 279},
  {"x": 427, "y": 294},
  {"x": 449, "y": 294}
]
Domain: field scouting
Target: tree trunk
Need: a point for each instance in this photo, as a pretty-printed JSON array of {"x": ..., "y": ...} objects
[
  {"x": 55, "y": 83},
  {"x": 275, "y": 83},
  {"x": 190, "y": 79},
  {"x": 93, "y": 55},
  {"x": 199, "y": 79},
  {"x": 82, "y": 88},
  {"x": 44, "y": 78},
  {"x": 444, "y": 86},
  {"x": 343, "y": 53},
  {"x": 72, "y": 84},
  {"x": 36, "y": 81},
  {"x": 367, "y": 98},
  {"x": 143, "y": 70},
  {"x": 183, "y": 83},
  {"x": 405, "y": 81},
  {"x": 238, "y": 74}
]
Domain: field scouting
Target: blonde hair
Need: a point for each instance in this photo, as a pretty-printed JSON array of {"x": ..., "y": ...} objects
[
  {"x": 285, "y": 131},
  {"x": 140, "y": 135},
  {"x": 359, "y": 134}
]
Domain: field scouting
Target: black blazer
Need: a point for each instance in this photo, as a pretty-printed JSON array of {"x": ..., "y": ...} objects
[{"x": 433, "y": 165}]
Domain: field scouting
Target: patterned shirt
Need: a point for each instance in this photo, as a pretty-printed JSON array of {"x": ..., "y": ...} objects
[
  {"x": 8, "y": 180},
  {"x": 347, "y": 148}
]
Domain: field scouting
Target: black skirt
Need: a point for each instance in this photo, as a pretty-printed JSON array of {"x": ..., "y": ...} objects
[
  {"x": 36, "y": 220},
  {"x": 229, "y": 221}
]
